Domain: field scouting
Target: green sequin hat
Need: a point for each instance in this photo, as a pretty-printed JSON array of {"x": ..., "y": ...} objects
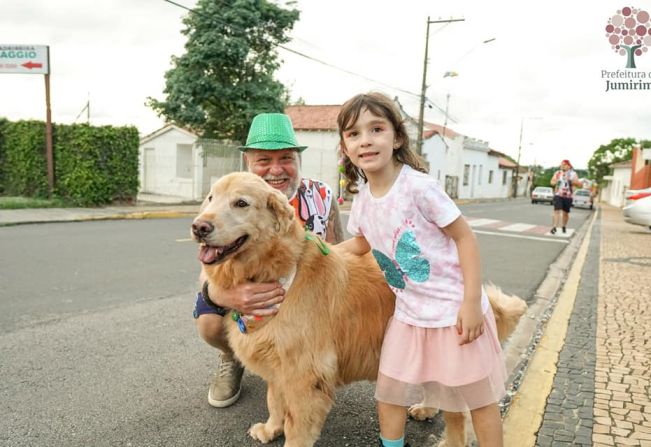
[{"x": 271, "y": 132}]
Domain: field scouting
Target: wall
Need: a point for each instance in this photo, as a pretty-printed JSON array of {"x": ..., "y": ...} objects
[
  {"x": 614, "y": 194},
  {"x": 475, "y": 155},
  {"x": 319, "y": 160},
  {"x": 165, "y": 180},
  {"x": 641, "y": 171}
]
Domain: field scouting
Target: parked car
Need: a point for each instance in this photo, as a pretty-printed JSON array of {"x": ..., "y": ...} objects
[
  {"x": 639, "y": 211},
  {"x": 582, "y": 198},
  {"x": 633, "y": 194},
  {"x": 542, "y": 194}
]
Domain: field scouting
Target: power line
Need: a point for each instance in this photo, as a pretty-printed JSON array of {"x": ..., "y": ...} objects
[{"x": 298, "y": 53}]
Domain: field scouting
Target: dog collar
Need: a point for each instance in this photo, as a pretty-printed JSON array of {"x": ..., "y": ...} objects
[
  {"x": 285, "y": 282},
  {"x": 323, "y": 248}
]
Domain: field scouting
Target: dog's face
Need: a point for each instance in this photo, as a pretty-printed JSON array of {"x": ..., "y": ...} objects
[{"x": 240, "y": 210}]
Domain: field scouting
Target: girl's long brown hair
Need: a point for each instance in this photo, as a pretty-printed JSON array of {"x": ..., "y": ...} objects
[{"x": 379, "y": 105}]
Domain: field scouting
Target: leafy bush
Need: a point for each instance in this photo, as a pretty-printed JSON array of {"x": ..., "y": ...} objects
[{"x": 93, "y": 165}]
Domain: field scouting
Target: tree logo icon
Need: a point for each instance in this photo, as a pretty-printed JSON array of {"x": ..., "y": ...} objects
[{"x": 629, "y": 33}]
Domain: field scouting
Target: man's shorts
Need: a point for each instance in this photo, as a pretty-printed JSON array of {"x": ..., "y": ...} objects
[
  {"x": 562, "y": 203},
  {"x": 201, "y": 308}
]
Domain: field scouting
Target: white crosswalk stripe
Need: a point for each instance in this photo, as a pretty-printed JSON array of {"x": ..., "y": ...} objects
[
  {"x": 518, "y": 227},
  {"x": 481, "y": 222}
]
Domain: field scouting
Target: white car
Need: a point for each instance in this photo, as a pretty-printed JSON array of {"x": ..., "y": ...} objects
[
  {"x": 582, "y": 198},
  {"x": 632, "y": 194},
  {"x": 542, "y": 194},
  {"x": 639, "y": 211}
]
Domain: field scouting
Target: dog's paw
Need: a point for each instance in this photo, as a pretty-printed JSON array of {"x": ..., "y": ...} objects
[
  {"x": 259, "y": 432},
  {"x": 420, "y": 412}
]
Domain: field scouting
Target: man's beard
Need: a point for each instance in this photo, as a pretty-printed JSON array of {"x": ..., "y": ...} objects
[{"x": 291, "y": 188}]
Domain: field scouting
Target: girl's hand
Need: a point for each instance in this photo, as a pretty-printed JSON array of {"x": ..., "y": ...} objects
[{"x": 470, "y": 322}]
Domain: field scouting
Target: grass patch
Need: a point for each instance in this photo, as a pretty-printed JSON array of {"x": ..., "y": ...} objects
[{"x": 12, "y": 203}]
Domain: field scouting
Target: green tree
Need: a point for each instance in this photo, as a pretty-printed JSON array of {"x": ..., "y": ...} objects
[
  {"x": 226, "y": 75},
  {"x": 617, "y": 150},
  {"x": 544, "y": 176}
]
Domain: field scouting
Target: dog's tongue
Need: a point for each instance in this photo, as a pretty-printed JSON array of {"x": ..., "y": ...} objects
[{"x": 208, "y": 255}]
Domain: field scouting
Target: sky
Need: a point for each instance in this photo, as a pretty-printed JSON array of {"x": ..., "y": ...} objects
[{"x": 545, "y": 72}]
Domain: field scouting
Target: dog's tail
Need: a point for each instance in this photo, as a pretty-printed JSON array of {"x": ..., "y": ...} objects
[{"x": 507, "y": 310}]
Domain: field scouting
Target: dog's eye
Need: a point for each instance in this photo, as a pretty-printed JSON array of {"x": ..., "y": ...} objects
[
  {"x": 241, "y": 203},
  {"x": 210, "y": 198}
]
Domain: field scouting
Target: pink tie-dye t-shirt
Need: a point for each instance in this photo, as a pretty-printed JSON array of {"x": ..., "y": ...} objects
[{"x": 419, "y": 261}]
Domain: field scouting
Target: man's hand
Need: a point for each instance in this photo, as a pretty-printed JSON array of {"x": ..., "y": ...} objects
[{"x": 248, "y": 298}]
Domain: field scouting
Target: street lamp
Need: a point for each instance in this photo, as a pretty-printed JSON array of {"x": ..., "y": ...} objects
[
  {"x": 454, "y": 74},
  {"x": 516, "y": 177},
  {"x": 421, "y": 113},
  {"x": 421, "y": 118}
]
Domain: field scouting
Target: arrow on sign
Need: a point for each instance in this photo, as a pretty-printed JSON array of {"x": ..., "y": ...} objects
[{"x": 31, "y": 65}]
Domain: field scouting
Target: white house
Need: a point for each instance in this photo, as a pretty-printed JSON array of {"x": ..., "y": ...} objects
[
  {"x": 466, "y": 167},
  {"x": 618, "y": 182},
  {"x": 175, "y": 162},
  {"x": 316, "y": 128}
]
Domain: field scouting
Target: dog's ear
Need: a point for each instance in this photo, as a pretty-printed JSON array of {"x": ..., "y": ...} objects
[{"x": 281, "y": 209}]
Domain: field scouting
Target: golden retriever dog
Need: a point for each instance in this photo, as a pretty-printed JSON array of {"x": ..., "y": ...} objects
[{"x": 328, "y": 331}]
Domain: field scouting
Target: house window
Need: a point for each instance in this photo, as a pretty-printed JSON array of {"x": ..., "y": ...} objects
[
  {"x": 481, "y": 172},
  {"x": 503, "y": 177},
  {"x": 490, "y": 177},
  {"x": 184, "y": 160},
  {"x": 466, "y": 174},
  {"x": 438, "y": 174}
]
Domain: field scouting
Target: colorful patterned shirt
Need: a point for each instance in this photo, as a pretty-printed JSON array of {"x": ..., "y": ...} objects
[
  {"x": 312, "y": 202},
  {"x": 419, "y": 261},
  {"x": 564, "y": 186}
]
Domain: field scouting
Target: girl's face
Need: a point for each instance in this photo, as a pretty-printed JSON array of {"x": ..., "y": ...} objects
[{"x": 370, "y": 142}]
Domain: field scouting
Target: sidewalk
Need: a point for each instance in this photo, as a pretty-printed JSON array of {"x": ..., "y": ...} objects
[
  {"x": 588, "y": 381},
  {"x": 147, "y": 207}
]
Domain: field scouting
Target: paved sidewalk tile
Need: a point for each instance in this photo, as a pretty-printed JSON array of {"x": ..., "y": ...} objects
[
  {"x": 601, "y": 393},
  {"x": 623, "y": 364}
]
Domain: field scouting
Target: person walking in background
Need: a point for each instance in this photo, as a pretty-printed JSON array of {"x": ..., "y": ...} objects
[
  {"x": 271, "y": 152},
  {"x": 441, "y": 346},
  {"x": 564, "y": 181}
]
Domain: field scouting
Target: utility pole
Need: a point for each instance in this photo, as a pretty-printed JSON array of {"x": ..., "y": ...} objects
[
  {"x": 419, "y": 140},
  {"x": 517, "y": 163}
]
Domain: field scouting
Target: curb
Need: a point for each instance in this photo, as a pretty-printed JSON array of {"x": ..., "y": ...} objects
[
  {"x": 526, "y": 412},
  {"x": 116, "y": 216}
]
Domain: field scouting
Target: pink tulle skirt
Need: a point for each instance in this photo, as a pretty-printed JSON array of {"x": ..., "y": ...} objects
[{"x": 427, "y": 365}]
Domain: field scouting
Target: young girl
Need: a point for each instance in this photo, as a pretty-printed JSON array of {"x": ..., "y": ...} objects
[{"x": 441, "y": 346}]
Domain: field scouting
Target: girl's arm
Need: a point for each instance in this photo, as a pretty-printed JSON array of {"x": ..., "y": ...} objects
[
  {"x": 355, "y": 245},
  {"x": 470, "y": 319}
]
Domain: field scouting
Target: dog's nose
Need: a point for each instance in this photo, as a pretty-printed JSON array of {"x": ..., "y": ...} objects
[{"x": 201, "y": 228}]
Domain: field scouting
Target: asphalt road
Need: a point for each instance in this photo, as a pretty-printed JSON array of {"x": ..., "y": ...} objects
[{"x": 98, "y": 347}]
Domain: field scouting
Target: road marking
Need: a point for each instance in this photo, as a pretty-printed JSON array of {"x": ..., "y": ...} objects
[
  {"x": 559, "y": 233},
  {"x": 525, "y": 415},
  {"x": 518, "y": 227},
  {"x": 184, "y": 240},
  {"x": 522, "y": 236},
  {"x": 480, "y": 222}
]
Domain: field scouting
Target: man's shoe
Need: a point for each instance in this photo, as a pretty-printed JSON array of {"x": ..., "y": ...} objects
[
  {"x": 564, "y": 230},
  {"x": 553, "y": 230},
  {"x": 227, "y": 382}
]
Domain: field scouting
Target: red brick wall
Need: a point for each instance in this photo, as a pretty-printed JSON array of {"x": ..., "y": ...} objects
[{"x": 640, "y": 171}]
